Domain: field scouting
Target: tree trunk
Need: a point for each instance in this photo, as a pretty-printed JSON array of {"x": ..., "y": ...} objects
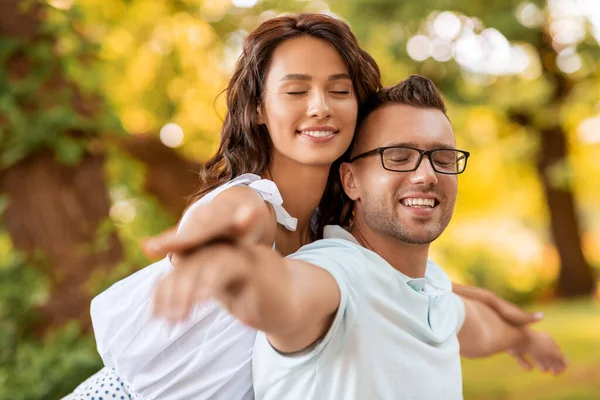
[
  {"x": 57, "y": 209},
  {"x": 576, "y": 277}
]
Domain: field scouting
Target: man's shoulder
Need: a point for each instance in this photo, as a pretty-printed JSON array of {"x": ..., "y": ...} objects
[
  {"x": 329, "y": 246},
  {"x": 338, "y": 256}
]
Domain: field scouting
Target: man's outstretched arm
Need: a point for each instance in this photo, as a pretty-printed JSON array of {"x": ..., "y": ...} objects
[
  {"x": 292, "y": 301},
  {"x": 485, "y": 333}
]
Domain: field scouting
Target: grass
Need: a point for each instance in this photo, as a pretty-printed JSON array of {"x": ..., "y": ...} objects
[{"x": 576, "y": 327}]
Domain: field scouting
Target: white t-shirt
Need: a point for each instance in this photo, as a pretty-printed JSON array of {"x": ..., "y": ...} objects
[
  {"x": 208, "y": 356},
  {"x": 393, "y": 337}
]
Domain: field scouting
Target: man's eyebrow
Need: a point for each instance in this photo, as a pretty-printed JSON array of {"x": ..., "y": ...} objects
[
  {"x": 305, "y": 77},
  {"x": 437, "y": 145}
]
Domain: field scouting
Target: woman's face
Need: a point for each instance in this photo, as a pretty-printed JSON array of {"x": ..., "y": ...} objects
[{"x": 309, "y": 106}]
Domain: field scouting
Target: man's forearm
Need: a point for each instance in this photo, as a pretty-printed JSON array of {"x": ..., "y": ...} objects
[
  {"x": 265, "y": 299},
  {"x": 291, "y": 301}
]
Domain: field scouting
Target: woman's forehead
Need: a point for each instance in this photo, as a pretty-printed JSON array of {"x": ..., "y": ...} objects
[{"x": 308, "y": 56}]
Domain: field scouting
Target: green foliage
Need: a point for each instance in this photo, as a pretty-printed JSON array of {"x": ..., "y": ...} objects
[
  {"x": 17, "y": 306},
  {"x": 43, "y": 85},
  {"x": 49, "y": 368},
  {"x": 33, "y": 368}
]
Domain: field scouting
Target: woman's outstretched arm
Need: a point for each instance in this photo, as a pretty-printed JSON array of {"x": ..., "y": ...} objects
[{"x": 509, "y": 312}]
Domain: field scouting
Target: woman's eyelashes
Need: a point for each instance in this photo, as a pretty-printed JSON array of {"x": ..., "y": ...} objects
[{"x": 342, "y": 92}]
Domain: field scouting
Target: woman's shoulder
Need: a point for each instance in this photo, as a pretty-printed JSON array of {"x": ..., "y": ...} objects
[{"x": 266, "y": 188}]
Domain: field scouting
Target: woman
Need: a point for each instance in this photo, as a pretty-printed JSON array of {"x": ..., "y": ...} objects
[{"x": 293, "y": 103}]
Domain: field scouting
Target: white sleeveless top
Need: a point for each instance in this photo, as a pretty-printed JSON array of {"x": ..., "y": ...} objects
[{"x": 209, "y": 356}]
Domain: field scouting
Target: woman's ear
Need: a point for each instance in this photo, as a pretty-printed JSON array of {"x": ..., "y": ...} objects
[
  {"x": 349, "y": 181},
  {"x": 259, "y": 112}
]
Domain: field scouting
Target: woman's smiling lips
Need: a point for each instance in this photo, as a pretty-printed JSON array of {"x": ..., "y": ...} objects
[{"x": 318, "y": 134}]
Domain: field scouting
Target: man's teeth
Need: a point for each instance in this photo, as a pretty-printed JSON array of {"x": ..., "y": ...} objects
[
  {"x": 318, "y": 133},
  {"x": 418, "y": 202}
]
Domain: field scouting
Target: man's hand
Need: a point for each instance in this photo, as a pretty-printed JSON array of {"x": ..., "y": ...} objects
[
  {"x": 222, "y": 270},
  {"x": 485, "y": 333},
  {"x": 540, "y": 350},
  {"x": 220, "y": 265},
  {"x": 508, "y": 311}
]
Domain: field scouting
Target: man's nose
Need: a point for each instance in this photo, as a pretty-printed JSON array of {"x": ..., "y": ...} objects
[{"x": 424, "y": 174}]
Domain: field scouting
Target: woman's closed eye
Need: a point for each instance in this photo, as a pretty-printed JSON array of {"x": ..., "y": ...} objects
[
  {"x": 340, "y": 89},
  {"x": 296, "y": 93}
]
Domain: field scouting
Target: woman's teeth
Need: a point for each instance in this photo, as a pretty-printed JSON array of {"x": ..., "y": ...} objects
[{"x": 318, "y": 133}]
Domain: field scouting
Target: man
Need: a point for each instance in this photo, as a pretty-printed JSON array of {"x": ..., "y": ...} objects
[{"x": 363, "y": 314}]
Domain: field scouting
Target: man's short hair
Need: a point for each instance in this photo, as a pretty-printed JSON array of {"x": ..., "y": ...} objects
[{"x": 415, "y": 91}]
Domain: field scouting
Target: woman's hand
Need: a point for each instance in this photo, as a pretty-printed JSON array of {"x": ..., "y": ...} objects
[{"x": 508, "y": 311}]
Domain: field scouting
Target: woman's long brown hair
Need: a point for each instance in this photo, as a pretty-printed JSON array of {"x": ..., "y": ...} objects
[{"x": 245, "y": 145}]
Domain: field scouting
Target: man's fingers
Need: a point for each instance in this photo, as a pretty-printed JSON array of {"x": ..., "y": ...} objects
[
  {"x": 523, "y": 362},
  {"x": 158, "y": 246},
  {"x": 162, "y": 293},
  {"x": 184, "y": 296},
  {"x": 205, "y": 226},
  {"x": 560, "y": 363},
  {"x": 540, "y": 365},
  {"x": 219, "y": 271},
  {"x": 177, "y": 293}
]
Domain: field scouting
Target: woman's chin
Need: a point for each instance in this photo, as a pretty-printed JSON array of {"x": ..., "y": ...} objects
[
  {"x": 311, "y": 154},
  {"x": 315, "y": 160}
]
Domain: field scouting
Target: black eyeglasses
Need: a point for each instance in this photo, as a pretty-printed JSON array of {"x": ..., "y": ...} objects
[{"x": 406, "y": 159}]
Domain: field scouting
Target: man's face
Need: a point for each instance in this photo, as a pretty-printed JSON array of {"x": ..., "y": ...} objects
[{"x": 389, "y": 201}]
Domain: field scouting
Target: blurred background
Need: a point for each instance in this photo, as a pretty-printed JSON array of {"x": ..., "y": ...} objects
[{"x": 108, "y": 107}]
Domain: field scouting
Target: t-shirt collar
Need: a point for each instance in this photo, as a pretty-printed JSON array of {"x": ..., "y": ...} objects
[{"x": 428, "y": 284}]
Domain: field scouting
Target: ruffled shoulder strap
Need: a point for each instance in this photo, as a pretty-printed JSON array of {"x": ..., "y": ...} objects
[{"x": 265, "y": 188}]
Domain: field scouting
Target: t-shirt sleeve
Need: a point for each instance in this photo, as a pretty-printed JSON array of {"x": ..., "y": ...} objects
[
  {"x": 343, "y": 264},
  {"x": 459, "y": 307}
]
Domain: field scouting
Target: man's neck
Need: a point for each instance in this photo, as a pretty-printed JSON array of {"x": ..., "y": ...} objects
[{"x": 410, "y": 259}]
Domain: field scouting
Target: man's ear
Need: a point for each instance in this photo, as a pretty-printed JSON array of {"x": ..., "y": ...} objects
[{"x": 349, "y": 180}]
